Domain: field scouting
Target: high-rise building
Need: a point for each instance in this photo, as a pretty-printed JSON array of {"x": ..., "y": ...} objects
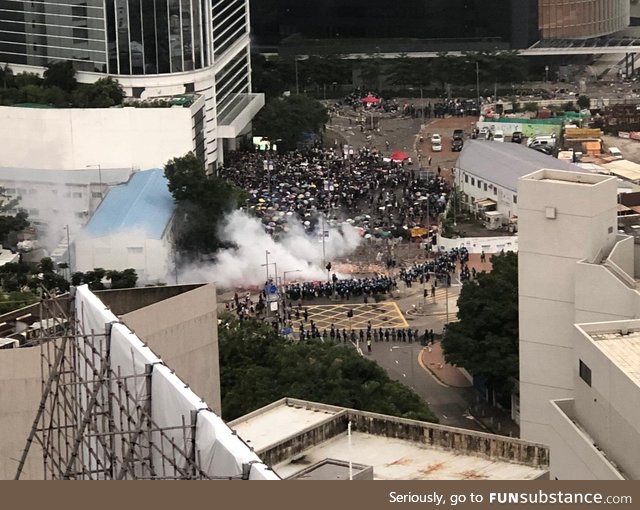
[
  {"x": 579, "y": 334},
  {"x": 152, "y": 47},
  {"x": 582, "y": 19}
]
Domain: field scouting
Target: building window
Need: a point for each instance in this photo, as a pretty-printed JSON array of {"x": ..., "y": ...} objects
[
  {"x": 96, "y": 194},
  {"x": 495, "y": 190},
  {"x": 485, "y": 186},
  {"x": 135, "y": 249},
  {"x": 473, "y": 182},
  {"x": 77, "y": 194},
  {"x": 479, "y": 184},
  {"x": 515, "y": 199},
  {"x": 585, "y": 373},
  {"x": 466, "y": 178}
]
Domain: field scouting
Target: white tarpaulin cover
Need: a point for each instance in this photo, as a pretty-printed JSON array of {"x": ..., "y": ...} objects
[{"x": 220, "y": 453}]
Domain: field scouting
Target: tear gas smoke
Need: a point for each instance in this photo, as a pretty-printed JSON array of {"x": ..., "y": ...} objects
[{"x": 295, "y": 250}]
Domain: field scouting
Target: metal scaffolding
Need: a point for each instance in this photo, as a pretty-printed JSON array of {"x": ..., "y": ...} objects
[{"x": 94, "y": 423}]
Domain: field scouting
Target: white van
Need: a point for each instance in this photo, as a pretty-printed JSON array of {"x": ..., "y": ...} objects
[
  {"x": 615, "y": 152},
  {"x": 498, "y": 136},
  {"x": 537, "y": 141}
]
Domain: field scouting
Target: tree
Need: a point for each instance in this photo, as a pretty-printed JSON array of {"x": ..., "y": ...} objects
[
  {"x": 62, "y": 75},
  {"x": 16, "y": 300},
  {"x": 104, "y": 93},
  {"x": 287, "y": 119},
  {"x": 485, "y": 340},
  {"x": 257, "y": 367},
  {"x": 583, "y": 101},
  {"x": 202, "y": 201},
  {"x": 122, "y": 279}
]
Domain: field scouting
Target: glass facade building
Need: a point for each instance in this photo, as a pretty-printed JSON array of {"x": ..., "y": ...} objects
[
  {"x": 121, "y": 37},
  {"x": 582, "y": 19},
  {"x": 155, "y": 48}
]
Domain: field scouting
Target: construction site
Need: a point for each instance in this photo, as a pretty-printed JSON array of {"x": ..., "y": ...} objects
[{"x": 109, "y": 407}]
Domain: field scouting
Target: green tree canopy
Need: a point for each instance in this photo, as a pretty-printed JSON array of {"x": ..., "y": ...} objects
[
  {"x": 288, "y": 118},
  {"x": 583, "y": 101},
  {"x": 257, "y": 367},
  {"x": 203, "y": 201},
  {"x": 62, "y": 75},
  {"x": 485, "y": 340}
]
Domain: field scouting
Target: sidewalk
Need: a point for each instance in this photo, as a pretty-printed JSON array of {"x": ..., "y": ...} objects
[
  {"x": 432, "y": 359},
  {"x": 495, "y": 420}
]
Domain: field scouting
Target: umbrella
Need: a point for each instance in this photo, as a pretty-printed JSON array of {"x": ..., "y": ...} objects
[
  {"x": 399, "y": 156},
  {"x": 370, "y": 99}
]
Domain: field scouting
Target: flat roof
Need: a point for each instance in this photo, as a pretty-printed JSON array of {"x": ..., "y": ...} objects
[
  {"x": 625, "y": 169},
  {"x": 623, "y": 350},
  {"x": 504, "y": 163},
  {"x": 399, "y": 459},
  {"x": 392, "y": 458},
  {"x": 265, "y": 429},
  {"x": 82, "y": 176}
]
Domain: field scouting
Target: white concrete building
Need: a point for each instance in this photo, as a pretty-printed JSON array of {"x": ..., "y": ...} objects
[
  {"x": 487, "y": 175},
  {"x": 130, "y": 229},
  {"x": 579, "y": 390},
  {"x": 380, "y": 447},
  {"x": 55, "y": 198},
  {"x": 154, "y": 49}
]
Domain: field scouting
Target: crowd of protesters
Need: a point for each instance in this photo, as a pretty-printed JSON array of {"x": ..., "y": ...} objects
[{"x": 381, "y": 197}]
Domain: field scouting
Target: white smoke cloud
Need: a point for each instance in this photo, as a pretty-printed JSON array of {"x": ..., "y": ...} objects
[{"x": 296, "y": 250}]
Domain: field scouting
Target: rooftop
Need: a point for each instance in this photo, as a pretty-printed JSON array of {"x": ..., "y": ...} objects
[
  {"x": 263, "y": 430},
  {"x": 622, "y": 348},
  {"x": 504, "y": 163},
  {"x": 81, "y": 176},
  {"x": 144, "y": 203},
  {"x": 626, "y": 169},
  {"x": 292, "y": 435}
]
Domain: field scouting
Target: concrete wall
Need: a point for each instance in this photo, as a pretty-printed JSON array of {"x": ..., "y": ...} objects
[
  {"x": 573, "y": 455},
  {"x": 183, "y": 331},
  {"x": 20, "y": 392},
  {"x": 583, "y": 225},
  {"x": 123, "y": 301},
  {"x": 69, "y": 139},
  {"x": 437, "y": 436},
  {"x": 609, "y": 409},
  {"x": 479, "y": 244},
  {"x": 151, "y": 258}
]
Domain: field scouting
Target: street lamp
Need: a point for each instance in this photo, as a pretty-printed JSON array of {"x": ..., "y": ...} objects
[
  {"x": 284, "y": 277},
  {"x": 99, "y": 175},
  {"x": 478, "y": 86}
]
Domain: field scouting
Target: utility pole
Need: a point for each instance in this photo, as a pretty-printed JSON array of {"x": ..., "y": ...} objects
[
  {"x": 478, "y": 86},
  {"x": 297, "y": 83},
  {"x": 266, "y": 252}
]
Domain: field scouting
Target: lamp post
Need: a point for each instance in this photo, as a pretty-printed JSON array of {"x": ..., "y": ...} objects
[
  {"x": 478, "y": 85},
  {"x": 297, "y": 82},
  {"x": 68, "y": 252},
  {"x": 99, "y": 175},
  {"x": 285, "y": 273}
]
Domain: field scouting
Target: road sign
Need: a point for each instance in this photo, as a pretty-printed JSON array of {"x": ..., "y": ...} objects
[{"x": 271, "y": 288}]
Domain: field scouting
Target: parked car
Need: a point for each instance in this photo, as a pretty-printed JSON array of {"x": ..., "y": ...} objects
[
  {"x": 545, "y": 149},
  {"x": 458, "y": 134},
  {"x": 498, "y": 136},
  {"x": 457, "y": 144},
  {"x": 615, "y": 152},
  {"x": 436, "y": 138},
  {"x": 436, "y": 146},
  {"x": 517, "y": 137}
]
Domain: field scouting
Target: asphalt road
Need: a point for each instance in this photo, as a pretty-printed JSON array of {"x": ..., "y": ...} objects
[{"x": 450, "y": 405}]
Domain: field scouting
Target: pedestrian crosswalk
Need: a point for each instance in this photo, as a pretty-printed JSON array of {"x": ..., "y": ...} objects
[{"x": 383, "y": 315}]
